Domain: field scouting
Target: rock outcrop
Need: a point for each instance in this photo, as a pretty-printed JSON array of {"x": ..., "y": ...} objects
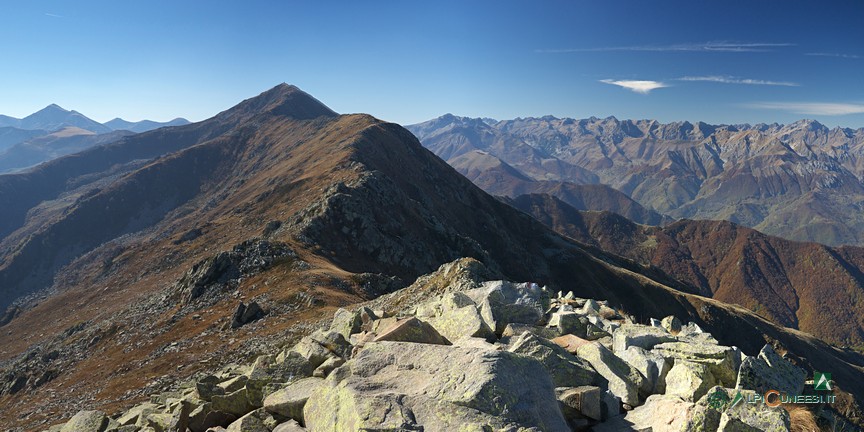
[{"x": 500, "y": 356}]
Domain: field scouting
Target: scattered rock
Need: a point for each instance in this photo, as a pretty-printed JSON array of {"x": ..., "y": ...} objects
[
  {"x": 584, "y": 401},
  {"x": 689, "y": 380},
  {"x": 644, "y": 337}
]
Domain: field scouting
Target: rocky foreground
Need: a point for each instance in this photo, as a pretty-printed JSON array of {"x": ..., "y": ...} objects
[{"x": 490, "y": 356}]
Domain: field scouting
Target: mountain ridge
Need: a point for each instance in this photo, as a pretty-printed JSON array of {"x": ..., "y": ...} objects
[
  {"x": 359, "y": 208},
  {"x": 802, "y": 181}
]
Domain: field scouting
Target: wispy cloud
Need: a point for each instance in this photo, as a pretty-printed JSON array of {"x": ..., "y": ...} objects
[
  {"x": 686, "y": 47},
  {"x": 839, "y": 55},
  {"x": 643, "y": 87},
  {"x": 812, "y": 108},
  {"x": 54, "y": 15},
  {"x": 736, "y": 80}
]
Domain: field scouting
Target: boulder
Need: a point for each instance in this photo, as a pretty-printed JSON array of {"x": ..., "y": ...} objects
[
  {"x": 208, "y": 387},
  {"x": 502, "y": 303},
  {"x": 268, "y": 370},
  {"x": 624, "y": 380},
  {"x": 769, "y": 371},
  {"x": 585, "y": 401},
  {"x": 204, "y": 417},
  {"x": 410, "y": 386},
  {"x": 659, "y": 413},
  {"x": 256, "y": 421},
  {"x": 245, "y": 314},
  {"x": 131, "y": 416},
  {"x": 516, "y": 329},
  {"x": 237, "y": 403},
  {"x": 689, "y": 380},
  {"x": 565, "y": 369},
  {"x": 645, "y": 337},
  {"x": 289, "y": 426},
  {"x": 411, "y": 330},
  {"x": 569, "y": 323},
  {"x": 328, "y": 366},
  {"x": 454, "y": 316},
  {"x": 570, "y": 343},
  {"x": 86, "y": 421},
  {"x": 322, "y": 345},
  {"x": 592, "y": 332},
  {"x": 671, "y": 324},
  {"x": 346, "y": 323},
  {"x": 722, "y": 361},
  {"x": 651, "y": 365},
  {"x": 289, "y": 401}
]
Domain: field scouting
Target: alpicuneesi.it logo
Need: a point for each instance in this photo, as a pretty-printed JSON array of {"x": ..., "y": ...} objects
[{"x": 773, "y": 398}]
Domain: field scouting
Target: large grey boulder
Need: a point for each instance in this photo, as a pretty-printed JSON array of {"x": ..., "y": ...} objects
[
  {"x": 454, "y": 316},
  {"x": 86, "y": 421},
  {"x": 565, "y": 369},
  {"x": 268, "y": 370},
  {"x": 502, "y": 303},
  {"x": 346, "y": 322},
  {"x": 409, "y": 386},
  {"x": 645, "y": 337},
  {"x": 651, "y": 365},
  {"x": 584, "y": 401},
  {"x": 256, "y": 421},
  {"x": 624, "y": 380},
  {"x": 769, "y": 371},
  {"x": 289, "y": 426},
  {"x": 289, "y": 401},
  {"x": 322, "y": 345},
  {"x": 689, "y": 380},
  {"x": 569, "y": 323},
  {"x": 722, "y": 361}
]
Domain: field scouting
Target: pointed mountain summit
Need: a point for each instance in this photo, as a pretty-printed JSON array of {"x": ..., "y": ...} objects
[
  {"x": 53, "y": 118},
  {"x": 283, "y": 100}
]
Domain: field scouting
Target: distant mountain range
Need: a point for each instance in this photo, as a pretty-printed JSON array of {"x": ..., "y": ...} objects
[
  {"x": 801, "y": 181},
  {"x": 53, "y": 132},
  {"x": 53, "y": 118}
]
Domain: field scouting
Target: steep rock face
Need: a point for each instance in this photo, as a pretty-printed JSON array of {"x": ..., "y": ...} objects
[
  {"x": 811, "y": 287},
  {"x": 801, "y": 181}
]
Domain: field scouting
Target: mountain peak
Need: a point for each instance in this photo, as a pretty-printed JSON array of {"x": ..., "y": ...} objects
[{"x": 283, "y": 100}]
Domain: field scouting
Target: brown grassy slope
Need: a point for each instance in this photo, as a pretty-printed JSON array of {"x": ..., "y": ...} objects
[{"x": 808, "y": 286}]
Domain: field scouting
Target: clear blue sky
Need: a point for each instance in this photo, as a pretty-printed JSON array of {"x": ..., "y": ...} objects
[{"x": 408, "y": 61}]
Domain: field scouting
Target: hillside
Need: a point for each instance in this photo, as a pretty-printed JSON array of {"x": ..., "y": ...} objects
[
  {"x": 50, "y": 146},
  {"x": 800, "y": 181},
  {"x": 807, "y": 286},
  {"x": 142, "y": 251}
]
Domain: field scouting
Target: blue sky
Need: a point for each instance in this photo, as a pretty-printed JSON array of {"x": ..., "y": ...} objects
[{"x": 408, "y": 61}]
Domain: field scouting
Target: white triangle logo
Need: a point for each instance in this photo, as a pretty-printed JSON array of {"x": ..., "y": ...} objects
[{"x": 823, "y": 383}]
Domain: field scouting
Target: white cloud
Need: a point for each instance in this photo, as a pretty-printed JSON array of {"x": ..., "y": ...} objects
[
  {"x": 735, "y": 80},
  {"x": 686, "y": 47},
  {"x": 812, "y": 108},
  {"x": 54, "y": 15},
  {"x": 840, "y": 55},
  {"x": 642, "y": 87}
]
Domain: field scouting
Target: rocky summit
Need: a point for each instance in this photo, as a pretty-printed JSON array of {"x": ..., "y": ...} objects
[{"x": 489, "y": 356}]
